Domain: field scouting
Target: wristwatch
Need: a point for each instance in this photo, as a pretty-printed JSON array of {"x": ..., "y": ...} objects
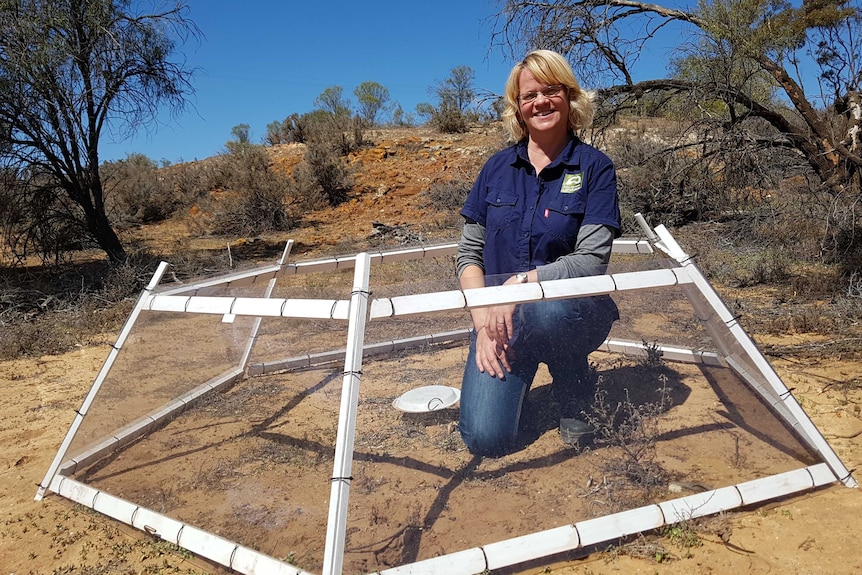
[{"x": 521, "y": 277}]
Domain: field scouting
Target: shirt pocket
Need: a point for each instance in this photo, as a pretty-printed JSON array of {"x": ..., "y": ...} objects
[
  {"x": 502, "y": 206},
  {"x": 564, "y": 216}
]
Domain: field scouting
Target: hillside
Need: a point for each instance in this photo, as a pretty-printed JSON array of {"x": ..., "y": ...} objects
[{"x": 393, "y": 176}]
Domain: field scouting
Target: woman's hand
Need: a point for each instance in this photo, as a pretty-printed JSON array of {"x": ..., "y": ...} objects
[
  {"x": 492, "y": 341},
  {"x": 494, "y": 326},
  {"x": 498, "y": 324},
  {"x": 491, "y": 356},
  {"x": 498, "y": 319}
]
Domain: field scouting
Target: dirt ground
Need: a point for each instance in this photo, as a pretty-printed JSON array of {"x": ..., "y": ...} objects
[{"x": 812, "y": 533}]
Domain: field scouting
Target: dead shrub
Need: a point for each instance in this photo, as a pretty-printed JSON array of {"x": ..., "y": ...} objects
[
  {"x": 58, "y": 308},
  {"x": 448, "y": 195},
  {"x": 52, "y": 311},
  {"x": 695, "y": 175},
  {"x": 665, "y": 186},
  {"x": 322, "y": 178},
  {"x": 34, "y": 338},
  {"x": 38, "y": 219},
  {"x": 446, "y": 198},
  {"x": 258, "y": 198},
  {"x": 629, "y": 433},
  {"x": 135, "y": 193}
]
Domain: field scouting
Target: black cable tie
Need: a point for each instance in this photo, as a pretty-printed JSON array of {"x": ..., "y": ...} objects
[
  {"x": 733, "y": 319},
  {"x": 485, "y": 557},
  {"x": 349, "y": 478},
  {"x": 360, "y": 291},
  {"x": 787, "y": 393},
  {"x": 848, "y": 476},
  {"x": 352, "y": 372}
]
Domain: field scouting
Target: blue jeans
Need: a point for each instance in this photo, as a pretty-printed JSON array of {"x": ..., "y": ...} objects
[{"x": 559, "y": 333}]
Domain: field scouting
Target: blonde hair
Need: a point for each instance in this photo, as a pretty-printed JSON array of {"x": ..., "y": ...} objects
[{"x": 549, "y": 68}]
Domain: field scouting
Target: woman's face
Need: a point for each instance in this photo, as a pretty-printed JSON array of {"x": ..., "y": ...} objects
[{"x": 544, "y": 110}]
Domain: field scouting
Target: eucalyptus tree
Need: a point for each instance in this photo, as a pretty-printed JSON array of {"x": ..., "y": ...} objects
[
  {"x": 771, "y": 74},
  {"x": 72, "y": 71},
  {"x": 457, "y": 91},
  {"x": 373, "y": 98}
]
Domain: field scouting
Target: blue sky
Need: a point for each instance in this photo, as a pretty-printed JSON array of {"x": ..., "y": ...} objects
[{"x": 262, "y": 60}]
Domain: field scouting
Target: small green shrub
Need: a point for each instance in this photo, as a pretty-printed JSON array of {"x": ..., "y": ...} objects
[
  {"x": 258, "y": 198},
  {"x": 770, "y": 266},
  {"x": 322, "y": 178},
  {"x": 654, "y": 355},
  {"x": 252, "y": 212},
  {"x": 193, "y": 181},
  {"x": 135, "y": 193},
  {"x": 450, "y": 120}
]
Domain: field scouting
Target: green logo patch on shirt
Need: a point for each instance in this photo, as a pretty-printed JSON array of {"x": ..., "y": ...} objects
[{"x": 572, "y": 183}]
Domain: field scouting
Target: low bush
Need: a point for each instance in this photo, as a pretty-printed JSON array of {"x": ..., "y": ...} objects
[
  {"x": 256, "y": 199},
  {"x": 450, "y": 121},
  {"x": 630, "y": 430},
  {"x": 62, "y": 307},
  {"x": 322, "y": 178},
  {"x": 135, "y": 193}
]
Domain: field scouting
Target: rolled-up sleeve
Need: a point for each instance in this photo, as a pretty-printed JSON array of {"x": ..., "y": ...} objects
[
  {"x": 591, "y": 256},
  {"x": 470, "y": 247}
]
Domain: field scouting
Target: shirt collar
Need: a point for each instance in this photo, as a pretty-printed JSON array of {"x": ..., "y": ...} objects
[{"x": 570, "y": 156}]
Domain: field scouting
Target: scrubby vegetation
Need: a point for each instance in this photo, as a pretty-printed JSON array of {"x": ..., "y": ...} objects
[{"x": 750, "y": 226}]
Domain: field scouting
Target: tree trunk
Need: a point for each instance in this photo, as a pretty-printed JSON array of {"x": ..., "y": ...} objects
[
  {"x": 829, "y": 156},
  {"x": 106, "y": 237},
  {"x": 96, "y": 220}
]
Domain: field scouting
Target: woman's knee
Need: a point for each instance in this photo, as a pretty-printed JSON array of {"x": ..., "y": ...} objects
[
  {"x": 490, "y": 413},
  {"x": 485, "y": 440}
]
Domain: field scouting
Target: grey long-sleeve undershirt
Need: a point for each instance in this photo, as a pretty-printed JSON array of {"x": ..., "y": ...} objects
[{"x": 591, "y": 255}]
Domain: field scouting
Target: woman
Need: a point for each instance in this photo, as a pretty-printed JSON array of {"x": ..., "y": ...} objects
[{"x": 544, "y": 208}]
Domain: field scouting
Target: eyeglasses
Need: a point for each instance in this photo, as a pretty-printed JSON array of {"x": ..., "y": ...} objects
[{"x": 548, "y": 92}]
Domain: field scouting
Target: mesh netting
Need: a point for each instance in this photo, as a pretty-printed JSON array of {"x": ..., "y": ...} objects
[{"x": 253, "y": 461}]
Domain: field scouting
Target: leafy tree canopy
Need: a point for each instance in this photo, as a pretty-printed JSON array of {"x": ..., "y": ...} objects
[{"x": 70, "y": 71}]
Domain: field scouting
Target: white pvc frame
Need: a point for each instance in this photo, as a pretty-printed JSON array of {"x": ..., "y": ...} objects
[{"x": 356, "y": 311}]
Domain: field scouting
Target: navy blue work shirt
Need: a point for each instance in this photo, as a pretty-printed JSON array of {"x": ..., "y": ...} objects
[{"x": 533, "y": 220}]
